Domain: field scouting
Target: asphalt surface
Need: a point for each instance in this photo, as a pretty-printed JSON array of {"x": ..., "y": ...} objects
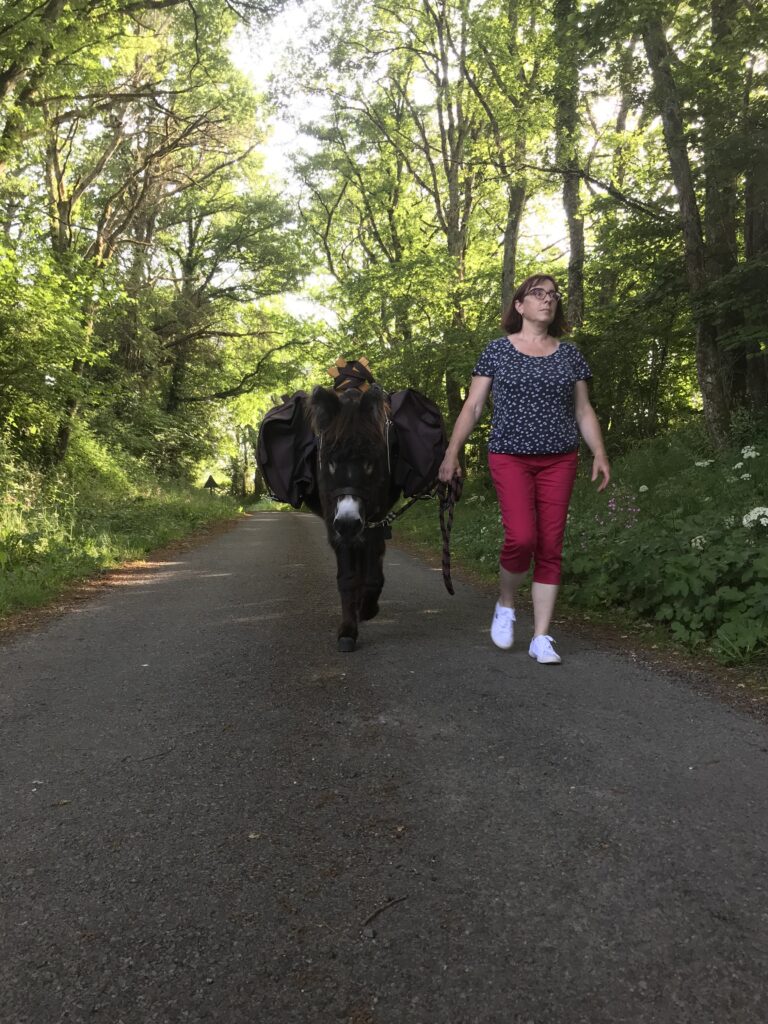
[{"x": 208, "y": 814}]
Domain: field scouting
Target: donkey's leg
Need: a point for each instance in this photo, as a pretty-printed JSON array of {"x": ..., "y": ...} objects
[
  {"x": 373, "y": 579},
  {"x": 348, "y": 580}
]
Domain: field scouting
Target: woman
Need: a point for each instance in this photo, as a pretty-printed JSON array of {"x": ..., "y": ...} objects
[{"x": 540, "y": 407}]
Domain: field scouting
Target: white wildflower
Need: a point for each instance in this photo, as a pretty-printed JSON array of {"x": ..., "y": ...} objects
[
  {"x": 757, "y": 515},
  {"x": 699, "y": 542},
  {"x": 745, "y": 476},
  {"x": 642, "y": 488},
  {"x": 705, "y": 462},
  {"x": 750, "y": 452},
  {"x": 738, "y": 465}
]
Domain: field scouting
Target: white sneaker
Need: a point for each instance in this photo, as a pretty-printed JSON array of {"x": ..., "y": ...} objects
[
  {"x": 542, "y": 650},
  {"x": 503, "y": 627}
]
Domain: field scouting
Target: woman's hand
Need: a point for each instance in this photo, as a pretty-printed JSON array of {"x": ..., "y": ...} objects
[
  {"x": 590, "y": 431},
  {"x": 601, "y": 465},
  {"x": 449, "y": 468}
]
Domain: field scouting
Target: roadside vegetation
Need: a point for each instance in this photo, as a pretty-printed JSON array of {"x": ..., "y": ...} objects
[
  {"x": 92, "y": 515},
  {"x": 680, "y": 540}
]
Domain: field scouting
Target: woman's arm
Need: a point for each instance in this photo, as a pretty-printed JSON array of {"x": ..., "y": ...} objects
[
  {"x": 465, "y": 423},
  {"x": 589, "y": 428}
]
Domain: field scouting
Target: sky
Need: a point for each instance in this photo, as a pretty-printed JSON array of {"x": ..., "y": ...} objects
[{"x": 258, "y": 55}]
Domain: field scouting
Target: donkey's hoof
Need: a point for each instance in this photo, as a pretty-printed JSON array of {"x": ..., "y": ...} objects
[{"x": 346, "y": 644}]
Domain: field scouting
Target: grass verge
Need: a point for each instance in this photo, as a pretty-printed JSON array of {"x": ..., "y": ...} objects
[
  {"x": 54, "y": 550},
  {"x": 92, "y": 515}
]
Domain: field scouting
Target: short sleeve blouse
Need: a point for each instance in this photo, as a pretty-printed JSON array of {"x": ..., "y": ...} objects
[{"x": 533, "y": 398}]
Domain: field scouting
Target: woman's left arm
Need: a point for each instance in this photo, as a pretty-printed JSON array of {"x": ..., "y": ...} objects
[{"x": 589, "y": 428}]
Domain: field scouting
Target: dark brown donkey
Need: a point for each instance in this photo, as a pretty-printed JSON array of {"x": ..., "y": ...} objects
[{"x": 355, "y": 490}]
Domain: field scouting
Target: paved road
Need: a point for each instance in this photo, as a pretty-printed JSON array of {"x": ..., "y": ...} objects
[{"x": 208, "y": 814}]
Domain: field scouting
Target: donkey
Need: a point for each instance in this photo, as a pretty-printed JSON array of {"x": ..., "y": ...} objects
[{"x": 355, "y": 490}]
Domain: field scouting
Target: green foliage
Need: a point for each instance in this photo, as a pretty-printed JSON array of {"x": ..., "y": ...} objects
[
  {"x": 143, "y": 250},
  {"x": 93, "y": 514},
  {"x": 639, "y": 348},
  {"x": 41, "y": 333},
  {"x": 671, "y": 544},
  {"x": 423, "y": 153}
]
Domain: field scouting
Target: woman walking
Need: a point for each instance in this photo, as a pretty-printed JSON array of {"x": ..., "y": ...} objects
[{"x": 540, "y": 407}]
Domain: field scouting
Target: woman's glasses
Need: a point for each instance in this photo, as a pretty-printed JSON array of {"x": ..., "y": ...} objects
[{"x": 542, "y": 293}]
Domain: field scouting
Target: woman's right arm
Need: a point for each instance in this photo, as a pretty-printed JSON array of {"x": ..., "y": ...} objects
[{"x": 470, "y": 413}]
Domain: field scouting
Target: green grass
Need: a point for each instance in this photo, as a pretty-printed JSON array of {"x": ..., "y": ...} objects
[
  {"x": 666, "y": 544},
  {"x": 92, "y": 516}
]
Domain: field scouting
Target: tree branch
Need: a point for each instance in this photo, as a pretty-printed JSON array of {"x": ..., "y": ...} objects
[{"x": 248, "y": 383}]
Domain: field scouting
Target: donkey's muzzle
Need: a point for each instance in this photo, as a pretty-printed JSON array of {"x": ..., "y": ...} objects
[{"x": 349, "y": 518}]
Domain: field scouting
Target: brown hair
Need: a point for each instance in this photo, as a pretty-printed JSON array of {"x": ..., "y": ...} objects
[{"x": 512, "y": 321}]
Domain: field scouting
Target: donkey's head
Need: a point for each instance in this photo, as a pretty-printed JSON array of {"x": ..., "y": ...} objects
[{"x": 353, "y": 459}]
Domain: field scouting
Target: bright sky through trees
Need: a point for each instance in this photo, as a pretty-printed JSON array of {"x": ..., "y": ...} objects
[{"x": 266, "y": 52}]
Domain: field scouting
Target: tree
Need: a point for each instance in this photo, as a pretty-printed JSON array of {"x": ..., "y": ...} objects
[
  {"x": 709, "y": 211},
  {"x": 405, "y": 116},
  {"x": 138, "y": 129}
]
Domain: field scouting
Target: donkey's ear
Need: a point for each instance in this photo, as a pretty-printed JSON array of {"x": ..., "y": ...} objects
[{"x": 325, "y": 407}]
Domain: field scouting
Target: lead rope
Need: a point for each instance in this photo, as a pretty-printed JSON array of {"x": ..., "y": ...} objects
[
  {"x": 449, "y": 494},
  {"x": 390, "y": 517}
]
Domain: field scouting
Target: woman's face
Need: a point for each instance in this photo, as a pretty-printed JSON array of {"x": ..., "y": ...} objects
[{"x": 539, "y": 304}]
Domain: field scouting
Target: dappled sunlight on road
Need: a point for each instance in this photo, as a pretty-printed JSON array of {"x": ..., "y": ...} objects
[{"x": 137, "y": 574}]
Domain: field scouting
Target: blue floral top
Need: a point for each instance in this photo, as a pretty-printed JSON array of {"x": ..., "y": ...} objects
[{"x": 533, "y": 398}]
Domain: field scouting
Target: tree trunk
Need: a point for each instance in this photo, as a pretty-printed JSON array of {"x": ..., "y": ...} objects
[
  {"x": 572, "y": 206},
  {"x": 567, "y": 155},
  {"x": 30, "y": 53},
  {"x": 64, "y": 432},
  {"x": 721, "y": 177},
  {"x": 708, "y": 363},
  {"x": 453, "y": 394},
  {"x": 178, "y": 377},
  {"x": 516, "y": 196},
  {"x": 756, "y": 253}
]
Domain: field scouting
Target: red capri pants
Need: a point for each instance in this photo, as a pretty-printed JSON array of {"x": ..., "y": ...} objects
[{"x": 533, "y": 491}]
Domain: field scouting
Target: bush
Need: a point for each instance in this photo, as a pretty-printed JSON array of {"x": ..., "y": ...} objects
[{"x": 680, "y": 540}]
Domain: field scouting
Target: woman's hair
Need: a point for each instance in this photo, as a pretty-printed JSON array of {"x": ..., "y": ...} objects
[{"x": 512, "y": 321}]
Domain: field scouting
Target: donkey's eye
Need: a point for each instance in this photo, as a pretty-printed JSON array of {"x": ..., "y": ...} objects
[
  {"x": 332, "y": 467},
  {"x": 367, "y": 468}
]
